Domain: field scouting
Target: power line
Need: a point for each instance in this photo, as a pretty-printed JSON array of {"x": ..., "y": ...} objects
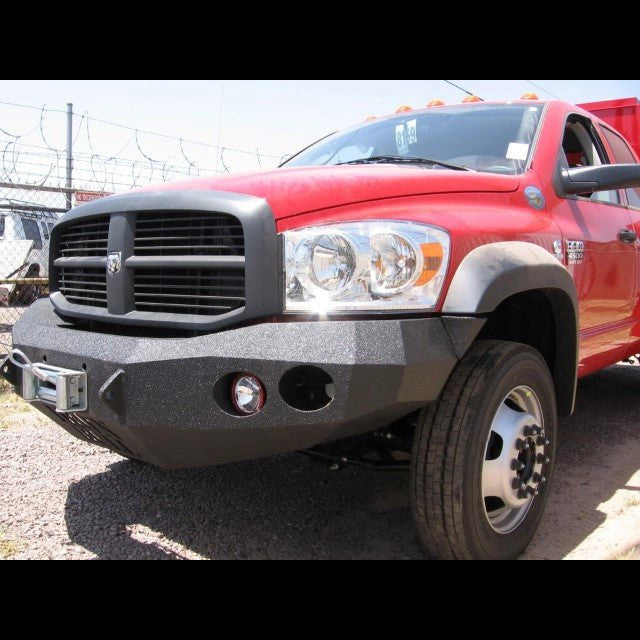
[
  {"x": 543, "y": 89},
  {"x": 461, "y": 89}
]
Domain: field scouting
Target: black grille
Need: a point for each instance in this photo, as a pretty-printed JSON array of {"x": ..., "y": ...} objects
[
  {"x": 84, "y": 285},
  {"x": 208, "y": 292},
  {"x": 187, "y": 234},
  {"x": 189, "y": 259},
  {"x": 85, "y": 239}
]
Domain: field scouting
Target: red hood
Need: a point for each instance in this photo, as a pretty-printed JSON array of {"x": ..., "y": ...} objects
[{"x": 299, "y": 190}]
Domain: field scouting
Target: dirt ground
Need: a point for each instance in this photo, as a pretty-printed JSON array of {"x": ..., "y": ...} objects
[{"x": 62, "y": 498}]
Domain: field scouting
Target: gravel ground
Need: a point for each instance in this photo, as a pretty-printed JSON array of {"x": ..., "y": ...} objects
[{"x": 62, "y": 498}]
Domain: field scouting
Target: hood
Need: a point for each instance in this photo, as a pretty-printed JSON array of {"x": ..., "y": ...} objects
[{"x": 299, "y": 190}]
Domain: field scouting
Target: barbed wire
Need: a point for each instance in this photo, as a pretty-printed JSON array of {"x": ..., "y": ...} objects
[
  {"x": 32, "y": 158},
  {"x": 138, "y": 130}
]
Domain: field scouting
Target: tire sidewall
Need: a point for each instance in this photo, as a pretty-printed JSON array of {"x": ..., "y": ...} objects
[{"x": 522, "y": 367}]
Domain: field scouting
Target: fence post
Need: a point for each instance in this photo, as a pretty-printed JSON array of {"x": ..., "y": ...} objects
[{"x": 69, "y": 151}]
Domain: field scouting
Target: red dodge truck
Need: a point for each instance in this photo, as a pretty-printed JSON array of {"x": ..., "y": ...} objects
[{"x": 420, "y": 291}]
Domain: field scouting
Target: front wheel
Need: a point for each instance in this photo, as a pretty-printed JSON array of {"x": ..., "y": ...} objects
[{"x": 483, "y": 454}]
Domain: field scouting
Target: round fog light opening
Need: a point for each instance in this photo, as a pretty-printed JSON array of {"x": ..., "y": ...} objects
[{"x": 247, "y": 394}]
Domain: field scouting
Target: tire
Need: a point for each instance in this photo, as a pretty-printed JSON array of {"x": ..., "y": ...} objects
[{"x": 454, "y": 436}]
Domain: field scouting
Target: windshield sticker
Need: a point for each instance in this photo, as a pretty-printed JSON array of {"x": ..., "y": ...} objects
[
  {"x": 406, "y": 134},
  {"x": 401, "y": 139},
  {"x": 412, "y": 135},
  {"x": 517, "y": 151}
]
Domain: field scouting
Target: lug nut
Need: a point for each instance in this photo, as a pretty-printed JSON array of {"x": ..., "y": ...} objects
[
  {"x": 516, "y": 465},
  {"x": 523, "y": 486},
  {"x": 542, "y": 459},
  {"x": 532, "y": 491},
  {"x": 542, "y": 479},
  {"x": 522, "y": 494},
  {"x": 515, "y": 483},
  {"x": 536, "y": 477},
  {"x": 521, "y": 444},
  {"x": 334, "y": 467}
]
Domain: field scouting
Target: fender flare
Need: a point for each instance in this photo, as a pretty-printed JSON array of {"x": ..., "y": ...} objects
[{"x": 491, "y": 273}]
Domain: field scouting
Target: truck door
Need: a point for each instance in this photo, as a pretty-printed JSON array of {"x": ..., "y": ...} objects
[
  {"x": 622, "y": 153},
  {"x": 599, "y": 251}
]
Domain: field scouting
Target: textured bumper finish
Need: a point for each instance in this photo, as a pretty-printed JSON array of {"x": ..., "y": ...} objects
[{"x": 155, "y": 395}]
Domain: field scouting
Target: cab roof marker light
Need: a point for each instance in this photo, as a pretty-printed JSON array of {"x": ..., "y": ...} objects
[
  {"x": 529, "y": 96},
  {"x": 404, "y": 107},
  {"x": 471, "y": 99},
  {"x": 370, "y": 118},
  {"x": 435, "y": 103}
]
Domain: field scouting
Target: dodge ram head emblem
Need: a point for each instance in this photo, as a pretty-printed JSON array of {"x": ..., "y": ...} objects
[{"x": 114, "y": 262}]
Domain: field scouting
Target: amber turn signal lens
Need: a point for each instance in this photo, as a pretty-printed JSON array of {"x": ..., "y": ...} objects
[{"x": 432, "y": 253}]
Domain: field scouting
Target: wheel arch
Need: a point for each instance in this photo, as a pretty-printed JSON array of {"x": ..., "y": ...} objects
[{"x": 518, "y": 280}]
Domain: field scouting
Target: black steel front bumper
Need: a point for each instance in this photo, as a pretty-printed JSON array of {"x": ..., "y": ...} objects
[{"x": 153, "y": 398}]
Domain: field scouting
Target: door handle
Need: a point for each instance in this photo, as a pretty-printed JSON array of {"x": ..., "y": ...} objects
[{"x": 627, "y": 235}]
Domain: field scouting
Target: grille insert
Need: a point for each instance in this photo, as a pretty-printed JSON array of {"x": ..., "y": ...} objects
[
  {"x": 85, "y": 239},
  {"x": 207, "y": 292},
  {"x": 84, "y": 285},
  {"x": 191, "y": 233}
]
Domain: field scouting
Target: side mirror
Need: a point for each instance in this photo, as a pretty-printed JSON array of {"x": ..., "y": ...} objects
[{"x": 604, "y": 177}]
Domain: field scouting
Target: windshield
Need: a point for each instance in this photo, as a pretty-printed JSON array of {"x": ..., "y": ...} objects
[{"x": 494, "y": 138}]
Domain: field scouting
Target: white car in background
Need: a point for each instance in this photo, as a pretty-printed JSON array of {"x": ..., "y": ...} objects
[{"x": 24, "y": 253}]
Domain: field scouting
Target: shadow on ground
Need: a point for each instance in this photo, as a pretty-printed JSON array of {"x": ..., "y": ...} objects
[{"x": 285, "y": 507}]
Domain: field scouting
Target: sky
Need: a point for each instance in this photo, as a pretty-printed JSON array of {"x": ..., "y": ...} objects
[{"x": 273, "y": 117}]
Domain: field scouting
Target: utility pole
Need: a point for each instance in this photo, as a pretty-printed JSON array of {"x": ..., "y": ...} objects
[
  {"x": 69, "y": 152},
  {"x": 219, "y": 127}
]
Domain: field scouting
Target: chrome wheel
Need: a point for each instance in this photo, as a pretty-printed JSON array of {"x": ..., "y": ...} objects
[{"x": 516, "y": 454}]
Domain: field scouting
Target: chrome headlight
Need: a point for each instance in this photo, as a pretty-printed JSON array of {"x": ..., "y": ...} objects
[{"x": 359, "y": 266}]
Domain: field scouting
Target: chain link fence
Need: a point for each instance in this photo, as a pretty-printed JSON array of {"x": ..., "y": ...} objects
[{"x": 27, "y": 213}]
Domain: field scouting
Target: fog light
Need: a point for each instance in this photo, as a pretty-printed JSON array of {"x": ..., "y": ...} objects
[{"x": 247, "y": 394}]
